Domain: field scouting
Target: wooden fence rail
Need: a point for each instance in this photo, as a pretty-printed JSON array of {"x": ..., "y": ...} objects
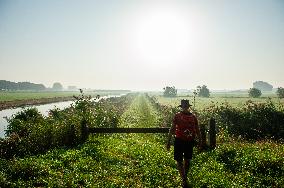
[
  {"x": 129, "y": 130},
  {"x": 211, "y": 140}
]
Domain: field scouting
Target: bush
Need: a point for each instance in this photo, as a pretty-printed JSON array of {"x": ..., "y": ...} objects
[
  {"x": 280, "y": 92},
  {"x": 20, "y": 122},
  {"x": 251, "y": 121},
  {"x": 170, "y": 91},
  {"x": 203, "y": 91},
  {"x": 255, "y": 93}
]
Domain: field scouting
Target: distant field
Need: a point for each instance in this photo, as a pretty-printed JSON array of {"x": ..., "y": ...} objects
[
  {"x": 234, "y": 99},
  {"x": 11, "y": 96},
  {"x": 26, "y": 95}
]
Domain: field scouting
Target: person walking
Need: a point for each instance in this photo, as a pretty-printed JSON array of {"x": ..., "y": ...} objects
[{"x": 185, "y": 129}]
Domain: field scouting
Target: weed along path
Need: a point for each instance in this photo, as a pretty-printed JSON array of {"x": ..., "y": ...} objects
[{"x": 136, "y": 160}]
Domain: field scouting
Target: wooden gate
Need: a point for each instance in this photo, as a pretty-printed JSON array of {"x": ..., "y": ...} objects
[
  {"x": 129, "y": 130},
  {"x": 211, "y": 140}
]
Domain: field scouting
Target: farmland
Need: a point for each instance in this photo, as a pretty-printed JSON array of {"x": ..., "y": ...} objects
[
  {"x": 131, "y": 160},
  {"x": 234, "y": 99},
  {"x": 17, "y": 95},
  {"x": 26, "y": 95},
  {"x": 11, "y": 99}
]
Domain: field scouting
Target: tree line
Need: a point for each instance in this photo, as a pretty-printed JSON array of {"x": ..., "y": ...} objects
[
  {"x": 203, "y": 91},
  {"x": 14, "y": 86},
  {"x": 255, "y": 93},
  {"x": 8, "y": 85}
]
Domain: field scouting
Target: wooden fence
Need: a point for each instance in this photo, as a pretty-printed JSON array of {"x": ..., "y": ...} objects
[
  {"x": 129, "y": 130},
  {"x": 211, "y": 139}
]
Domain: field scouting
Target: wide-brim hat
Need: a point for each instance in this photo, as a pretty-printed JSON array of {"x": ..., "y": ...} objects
[{"x": 184, "y": 103}]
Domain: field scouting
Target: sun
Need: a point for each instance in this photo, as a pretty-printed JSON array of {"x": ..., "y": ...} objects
[{"x": 161, "y": 36}]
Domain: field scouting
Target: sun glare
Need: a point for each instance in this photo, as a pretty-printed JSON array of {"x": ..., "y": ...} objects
[{"x": 161, "y": 36}]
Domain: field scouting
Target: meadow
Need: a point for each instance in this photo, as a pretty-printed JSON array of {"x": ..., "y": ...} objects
[
  {"x": 129, "y": 160},
  {"x": 26, "y": 95},
  {"x": 12, "y": 99},
  {"x": 233, "y": 99}
]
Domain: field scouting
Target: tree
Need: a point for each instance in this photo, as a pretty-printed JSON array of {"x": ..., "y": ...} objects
[
  {"x": 57, "y": 86},
  {"x": 263, "y": 86},
  {"x": 7, "y": 85},
  {"x": 203, "y": 91},
  {"x": 30, "y": 86},
  {"x": 254, "y": 92},
  {"x": 170, "y": 91},
  {"x": 280, "y": 92}
]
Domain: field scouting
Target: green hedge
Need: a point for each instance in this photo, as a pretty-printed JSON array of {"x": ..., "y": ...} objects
[{"x": 252, "y": 121}]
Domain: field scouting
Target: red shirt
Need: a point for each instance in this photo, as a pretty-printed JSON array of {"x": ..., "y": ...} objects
[{"x": 185, "y": 126}]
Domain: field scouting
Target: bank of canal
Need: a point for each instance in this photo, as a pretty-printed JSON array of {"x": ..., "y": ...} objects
[{"x": 43, "y": 109}]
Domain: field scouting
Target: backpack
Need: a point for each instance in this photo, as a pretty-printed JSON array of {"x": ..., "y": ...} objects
[{"x": 185, "y": 126}]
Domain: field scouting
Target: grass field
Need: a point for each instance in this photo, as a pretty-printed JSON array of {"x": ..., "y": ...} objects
[
  {"x": 10, "y": 96},
  {"x": 27, "y": 95},
  {"x": 232, "y": 99}
]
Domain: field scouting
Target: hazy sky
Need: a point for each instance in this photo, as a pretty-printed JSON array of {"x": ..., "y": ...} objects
[{"x": 143, "y": 45}]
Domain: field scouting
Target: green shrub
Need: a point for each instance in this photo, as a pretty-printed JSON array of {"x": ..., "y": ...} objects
[
  {"x": 254, "y": 92},
  {"x": 170, "y": 91},
  {"x": 203, "y": 91},
  {"x": 251, "y": 121},
  {"x": 280, "y": 92},
  {"x": 4, "y": 182},
  {"x": 20, "y": 122},
  {"x": 30, "y": 133}
]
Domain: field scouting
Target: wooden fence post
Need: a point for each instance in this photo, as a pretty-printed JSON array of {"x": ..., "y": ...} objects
[
  {"x": 203, "y": 136},
  {"x": 84, "y": 131},
  {"x": 72, "y": 136},
  {"x": 212, "y": 133}
]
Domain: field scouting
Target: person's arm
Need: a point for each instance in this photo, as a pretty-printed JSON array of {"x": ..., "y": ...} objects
[{"x": 171, "y": 133}]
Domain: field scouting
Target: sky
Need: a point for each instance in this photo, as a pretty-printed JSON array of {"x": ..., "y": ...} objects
[{"x": 143, "y": 44}]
